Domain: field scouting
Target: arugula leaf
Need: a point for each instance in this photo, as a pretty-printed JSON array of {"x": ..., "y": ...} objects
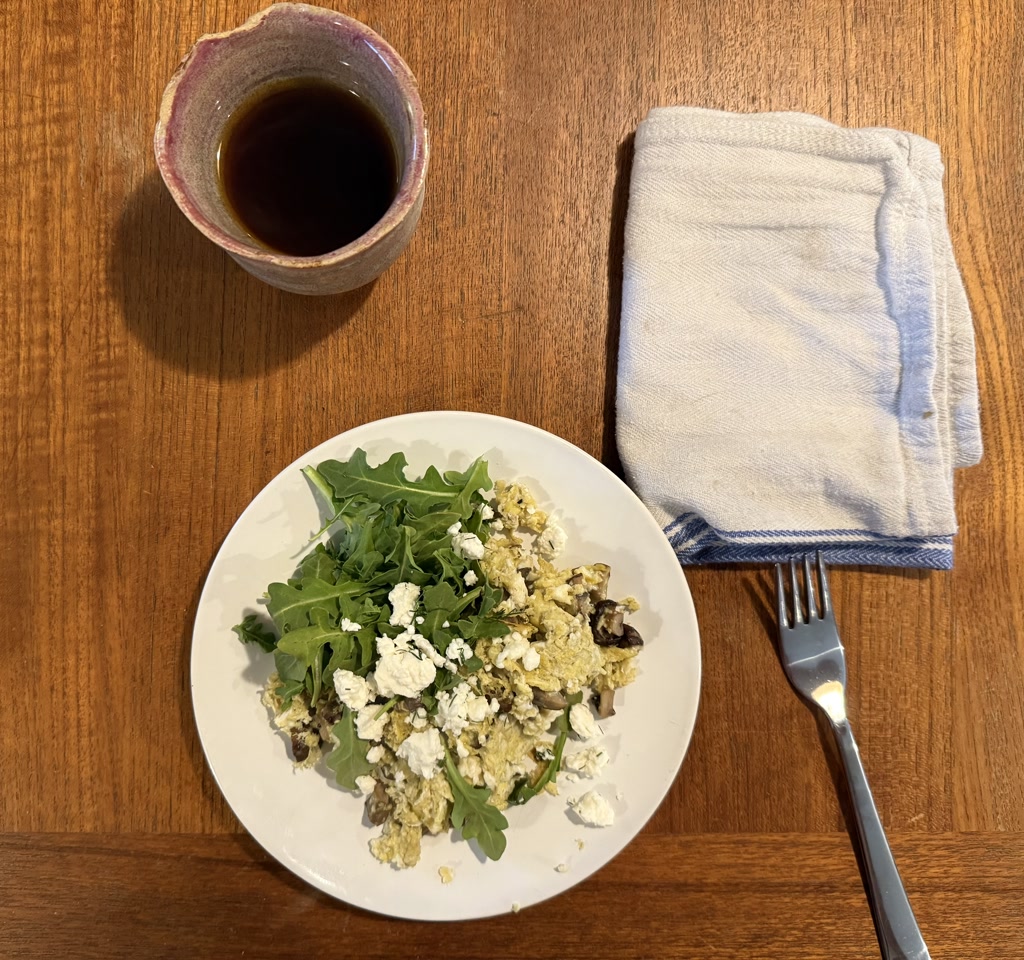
[
  {"x": 252, "y": 630},
  {"x": 348, "y": 758},
  {"x": 442, "y": 605},
  {"x": 319, "y": 565},
  {"x": 472, "y": 815},
  {"x": 433, "y": 524},
  {"x": 320, "y": 484},
  {"x": 345, "y": 655},
  {"x": 292, "y": 674},
  {"x": 406, "y": 569},
  {"x": 473, "y": 628},
  {"x": 387, "y": 483},
  {"x": 292, "y": 606},
  {"x": 473, "y": 479},
  {"x": 490, "y": 596},
  {"x": 307, "y": 643},
  {"x": 450, "y": 565}
]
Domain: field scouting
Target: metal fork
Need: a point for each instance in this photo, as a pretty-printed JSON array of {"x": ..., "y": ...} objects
[{"x": 812, "y": 656}]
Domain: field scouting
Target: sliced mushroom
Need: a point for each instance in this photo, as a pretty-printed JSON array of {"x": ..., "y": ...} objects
[
  {"x": 584, "y": 604},
  {"x": 605, "y": 703},
  {"x": 606, "y": 622},
  {"x": 379, "y": 805},
  {"x": 630, "y": 637},
  {"x": 599, "y": 591},
  {"x": 329, "y": 716},
  {"x": 548, "y": 700},
  {"x": 300, "y": 749},
  {"x": 411, "y": 704}
]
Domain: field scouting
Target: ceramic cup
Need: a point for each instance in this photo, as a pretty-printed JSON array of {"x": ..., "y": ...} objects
[{"x": 223, "y": 70}]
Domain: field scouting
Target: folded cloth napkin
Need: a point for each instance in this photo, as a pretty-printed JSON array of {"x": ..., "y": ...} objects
[{"x": 796, "y": 365}]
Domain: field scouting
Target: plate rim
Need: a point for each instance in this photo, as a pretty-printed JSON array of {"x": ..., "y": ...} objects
[{"x": 298, "y": 868}]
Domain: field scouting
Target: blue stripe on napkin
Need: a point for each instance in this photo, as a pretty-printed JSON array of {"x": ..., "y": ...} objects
[{"x": 697, "y": 542}]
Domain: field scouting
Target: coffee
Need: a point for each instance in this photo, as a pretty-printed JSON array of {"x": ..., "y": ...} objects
[{"x": 306, "y": 167}]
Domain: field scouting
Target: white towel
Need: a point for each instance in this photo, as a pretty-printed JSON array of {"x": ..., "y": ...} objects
[{"x": 796, "y": 368}]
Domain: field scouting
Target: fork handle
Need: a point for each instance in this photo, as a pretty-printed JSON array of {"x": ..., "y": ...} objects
[{"x": 898, "y": 935}]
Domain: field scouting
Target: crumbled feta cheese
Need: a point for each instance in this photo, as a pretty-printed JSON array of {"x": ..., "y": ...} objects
[
  {"x": 368, "y": 725},
  {"x": 447, "y": 874},
  {"x": 486, "y": 511},
  {"x": 513, "y": 648},
  {"x": 446, "y": 624},
  {"x": 531, "y": 660},
  {"x": 570, "y": 777},
  {"x": 422, "y": 750},
  {"x": 461, "y": 749},
  {"x": 582, "y": 721},
  {"x": 458, "y": 650},
  {"x": 454, "y": 528},
  {"x": 401, "y": 672},
  {"x": 477, "y": 709},
  {"x": 419, "y": 620},
  {"x": 551, "y": 542},
  {"x": 365, "y": 785},
  {"x": 419, "y": 723},
  {"x": 427, "y": 648},
  {"x": 468, "y": 546},
  {"x": 470, "y": 578},
  {"x": 593, "y": 809},
  {"x": 498, "y": 526},
  {"x": 495, "y": 705},
  {"x": 349, "y": 626},
  {"x": 562, "y": 868},
  {"x": 403, "y": 598},
  {"x": 375, "y": 754},
  {"x": 354, "y": 691},
  {"x": 589, "y": 761},
  {"x": 457, "y": 708}
]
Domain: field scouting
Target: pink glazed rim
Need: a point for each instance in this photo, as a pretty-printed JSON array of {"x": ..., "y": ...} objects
[{"x": 415, "y": 168}]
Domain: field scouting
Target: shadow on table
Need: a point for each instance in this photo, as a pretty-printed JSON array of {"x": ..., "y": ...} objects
[
  {"x": 191, "y": 305},
  {"x": 616, "y": 243}
]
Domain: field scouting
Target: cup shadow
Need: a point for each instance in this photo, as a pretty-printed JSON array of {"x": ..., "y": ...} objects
[{"x": 192, "y": 306}]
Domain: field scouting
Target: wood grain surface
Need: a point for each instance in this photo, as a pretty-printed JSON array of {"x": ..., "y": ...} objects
[{"x": 149, "y": 388}]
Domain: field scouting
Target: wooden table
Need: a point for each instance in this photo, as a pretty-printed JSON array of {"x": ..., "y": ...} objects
[{"x": 149, "y": 388}]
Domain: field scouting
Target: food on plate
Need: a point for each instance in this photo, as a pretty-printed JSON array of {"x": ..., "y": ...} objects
[{"x": 437, "y": 658}]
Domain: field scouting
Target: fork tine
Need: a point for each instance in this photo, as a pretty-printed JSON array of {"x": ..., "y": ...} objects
[
  {"x": 780, "y": 597},
  {"x": 798, "y": 613},
  {"x": 813, "y": 610},
  {"x": 826, "y": 598}
]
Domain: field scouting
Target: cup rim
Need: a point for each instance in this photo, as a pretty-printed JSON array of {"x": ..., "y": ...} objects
[{"x": 409, "y": 187}]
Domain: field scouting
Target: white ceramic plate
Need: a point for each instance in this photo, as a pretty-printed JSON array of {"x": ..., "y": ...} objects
[{"x": 315, "y": 828}]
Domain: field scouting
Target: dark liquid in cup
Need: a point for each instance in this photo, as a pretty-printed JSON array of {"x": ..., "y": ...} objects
[{"x": 307, "y": 167}]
